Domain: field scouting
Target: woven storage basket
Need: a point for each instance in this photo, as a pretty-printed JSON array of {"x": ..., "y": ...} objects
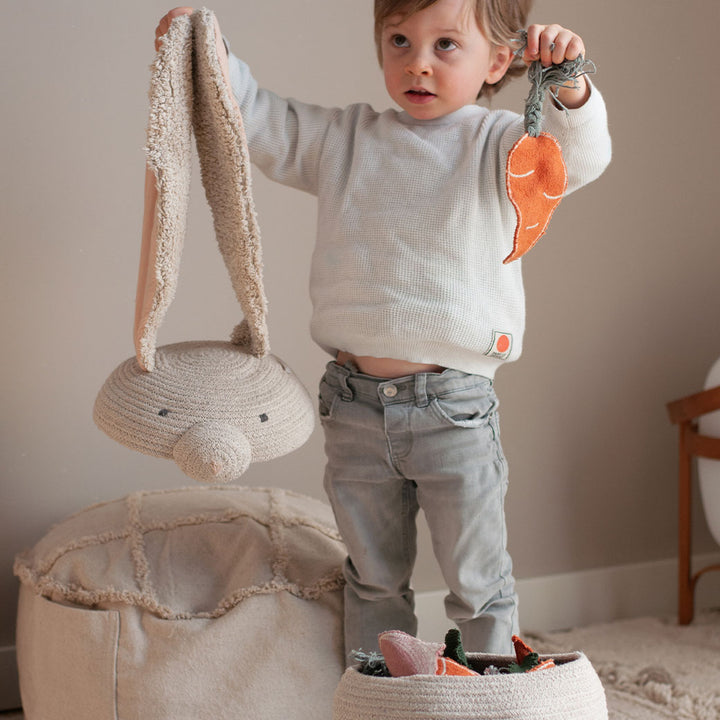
[
  {"x": 219, "y": 603},
  {"x": 569, "y": 691}
]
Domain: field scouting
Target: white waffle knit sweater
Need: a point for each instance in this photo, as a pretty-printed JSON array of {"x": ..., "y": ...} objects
[{"x": 413, "y": 219}]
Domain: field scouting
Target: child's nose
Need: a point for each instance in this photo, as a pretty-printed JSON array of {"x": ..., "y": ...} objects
[{"x": 418, "y": 64}]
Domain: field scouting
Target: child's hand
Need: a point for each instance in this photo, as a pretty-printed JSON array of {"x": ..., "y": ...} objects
[
  {"x": 164, "y": 23},
  {"x": 164, "y": 26},
  {"x": 551, "y": 45}
]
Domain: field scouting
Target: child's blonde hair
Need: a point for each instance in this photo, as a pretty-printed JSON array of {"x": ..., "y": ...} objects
[{"x": 498, "y": 20}]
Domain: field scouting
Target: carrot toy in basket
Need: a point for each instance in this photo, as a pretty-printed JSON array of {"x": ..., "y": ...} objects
[{"x": 536, "y": 177}]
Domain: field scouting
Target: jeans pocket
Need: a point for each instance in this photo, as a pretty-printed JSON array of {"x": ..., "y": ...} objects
[
  {"x": 470, "y": 408},
  {"x": 327, "y": 398}
]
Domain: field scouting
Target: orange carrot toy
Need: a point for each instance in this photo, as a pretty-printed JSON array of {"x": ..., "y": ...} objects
[{"x": 536, "y": 177}]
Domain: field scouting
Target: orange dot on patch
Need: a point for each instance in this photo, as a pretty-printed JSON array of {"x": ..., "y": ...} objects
[{"x": 503, "y": 343}]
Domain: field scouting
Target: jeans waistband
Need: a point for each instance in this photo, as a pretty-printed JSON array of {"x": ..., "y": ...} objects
[{"x": 420, "y": 388}]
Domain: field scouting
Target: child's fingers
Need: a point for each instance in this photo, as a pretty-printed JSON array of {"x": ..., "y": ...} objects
[
  {"x": 552, "y": 44},
  {"x": 566, "y": 46},
  {"x": 164, "y": 24},
  {"x": 548, "y": 43},
  {"x": 532, "y": 49}
]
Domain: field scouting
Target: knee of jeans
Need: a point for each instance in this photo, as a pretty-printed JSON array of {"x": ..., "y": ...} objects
[
  {"x": 465, "y": 603},
  {"x": 378, "y": 582}
]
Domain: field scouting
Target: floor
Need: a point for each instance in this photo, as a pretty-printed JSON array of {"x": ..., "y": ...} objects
[{"x": 652, "y": 669}]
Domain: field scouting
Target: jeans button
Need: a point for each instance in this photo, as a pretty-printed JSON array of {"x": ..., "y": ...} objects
[{"x": 390, "y": 391}]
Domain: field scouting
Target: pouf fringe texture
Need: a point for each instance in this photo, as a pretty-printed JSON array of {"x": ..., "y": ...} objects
[{"x": 40, "y": 578}]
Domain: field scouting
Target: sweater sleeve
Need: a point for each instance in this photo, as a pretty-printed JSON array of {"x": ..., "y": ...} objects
[
  {"x": 583, "y": 136},
  {"x": 285, "y": 137}
]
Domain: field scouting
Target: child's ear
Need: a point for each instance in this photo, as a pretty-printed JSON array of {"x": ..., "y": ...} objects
[{"x": 501, "y": 58}]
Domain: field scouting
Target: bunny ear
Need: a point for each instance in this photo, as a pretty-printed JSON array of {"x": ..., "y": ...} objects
[
  {"x": 167, "y": 186},
  {"x": 147, "y": 283},
  {"x": 189, "y": 90},
  {"x": 226, "y": 177}
]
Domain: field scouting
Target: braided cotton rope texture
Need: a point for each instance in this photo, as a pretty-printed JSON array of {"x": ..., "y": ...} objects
[
  {"x": 569, "y": 691},
  {"x": 197, "y": 383}
]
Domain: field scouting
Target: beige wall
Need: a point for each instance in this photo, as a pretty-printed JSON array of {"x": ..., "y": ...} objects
[{"x": 623, "y": 293}]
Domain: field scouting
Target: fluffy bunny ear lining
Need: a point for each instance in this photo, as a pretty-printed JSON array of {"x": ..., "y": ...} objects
[
  {"x": 167, "y": 186},
  {"x": 189, "y": 92}
]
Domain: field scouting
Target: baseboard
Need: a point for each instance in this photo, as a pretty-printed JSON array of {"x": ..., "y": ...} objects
[
  {"x": 577, "y": 599},
  {"x": 547, "y": 603}
]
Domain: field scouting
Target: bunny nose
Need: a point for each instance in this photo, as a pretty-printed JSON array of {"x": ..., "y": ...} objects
[{"x": 213, "y": 452}]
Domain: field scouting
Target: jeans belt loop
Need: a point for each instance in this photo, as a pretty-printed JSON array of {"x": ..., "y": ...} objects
[
  {"x": 347, "y": 394},
  {"x": 421, "y": 396}
]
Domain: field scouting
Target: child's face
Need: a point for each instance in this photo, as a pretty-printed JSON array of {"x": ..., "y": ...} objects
[{"x": 436, "y": 60}]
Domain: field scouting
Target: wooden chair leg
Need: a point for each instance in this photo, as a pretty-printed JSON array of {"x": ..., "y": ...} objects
[{"x": 685, "y": 583}]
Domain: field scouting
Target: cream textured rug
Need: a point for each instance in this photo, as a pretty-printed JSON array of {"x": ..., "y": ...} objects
[{"x": 651, "y": 668}]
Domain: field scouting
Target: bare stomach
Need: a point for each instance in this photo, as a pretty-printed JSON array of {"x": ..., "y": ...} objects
[{"x": 386, "y": 367}]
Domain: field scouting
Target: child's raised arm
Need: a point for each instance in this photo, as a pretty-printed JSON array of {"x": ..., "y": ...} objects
[{"x": 552, "y": 44}]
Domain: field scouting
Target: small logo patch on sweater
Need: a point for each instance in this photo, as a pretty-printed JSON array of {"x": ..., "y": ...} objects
[{"x": 501, "y": 346}]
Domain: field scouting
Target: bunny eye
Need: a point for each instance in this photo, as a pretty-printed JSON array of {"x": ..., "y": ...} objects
[
  {"x": 164, "y": 412},
  {"x": 264, "y": 418}
]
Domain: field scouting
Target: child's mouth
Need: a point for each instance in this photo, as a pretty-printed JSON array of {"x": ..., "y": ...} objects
[{"x": 419, "y": 95}]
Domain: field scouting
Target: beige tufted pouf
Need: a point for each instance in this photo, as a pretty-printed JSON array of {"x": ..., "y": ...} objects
[{"x": 217, "y": 602}]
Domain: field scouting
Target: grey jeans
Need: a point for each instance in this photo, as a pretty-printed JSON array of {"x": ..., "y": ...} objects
[{"x": 427, "y": 441}]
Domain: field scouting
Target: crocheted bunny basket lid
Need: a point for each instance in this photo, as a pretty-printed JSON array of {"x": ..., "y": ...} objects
[
  {"x": 214, "y": 407},
  {"x": 218, "y": 602}
]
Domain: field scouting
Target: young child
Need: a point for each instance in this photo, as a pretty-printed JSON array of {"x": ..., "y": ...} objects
[{"x": 411, "y": 297}]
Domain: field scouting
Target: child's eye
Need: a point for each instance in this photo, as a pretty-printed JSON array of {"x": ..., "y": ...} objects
[
  {"x": 399, "y": 41},
  {"x": 445, "y": 44}
]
